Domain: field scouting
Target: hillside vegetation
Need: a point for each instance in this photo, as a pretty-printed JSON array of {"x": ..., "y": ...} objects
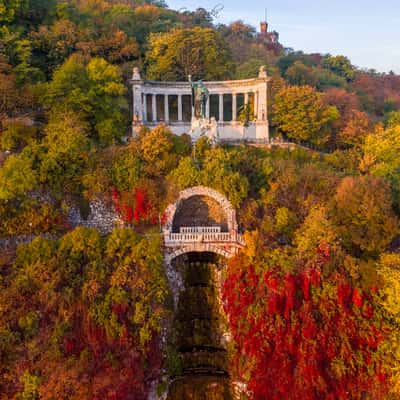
[{"x": 312, "y": 300}]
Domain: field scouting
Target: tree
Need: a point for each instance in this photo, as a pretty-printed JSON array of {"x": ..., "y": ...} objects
[
  {"x": 9, "y": 9},
  {"x": 126, "y": 170},
  {"x": 9, "y": 96},
  {"x": 389, "y": 272},
  {"x": 66, "y": 151},
  {"x": 380, "y": 157},
  {"x": 94, "y": 91},
  {"x": 17, "y": 176},
  {"x": 299, "y": 113},
  {"x": 355, "y": 130},
  {"x": 353, "y": 125},
  {"x": 219, "y": 172},
  {"x": 289, "y": 59},
  {"x": 392, "y": 119},
  {"x": 340, "y": 65},
  {"x": 298, "y": 186},
  {"x": 24, "y": 71},
  {"x": 363, "y": 214},
  {"x": 160, "y": 150},
  {"x": 300, "y": 74},
  {"x": 199, "y": 52},
  {"x": 16, "y": 136},
  {"x": 315, "y": 230},
  {"x": 343, "y": 100},
  {"x": 186, "y": 174},
  {"x": 370, "y": 89}
]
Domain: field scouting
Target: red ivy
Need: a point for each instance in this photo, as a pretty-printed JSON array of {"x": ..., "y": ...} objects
[
  {"x": 135, "y": 207},
  {"x": 299, "y": 338},
  {"x": 127, "y": 377}
]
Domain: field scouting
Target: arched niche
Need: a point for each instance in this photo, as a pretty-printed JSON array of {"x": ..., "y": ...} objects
[{"x": 200, "y": 206}]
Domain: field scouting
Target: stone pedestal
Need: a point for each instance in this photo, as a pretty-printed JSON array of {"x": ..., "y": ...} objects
[{"x": 203, "y": 127}]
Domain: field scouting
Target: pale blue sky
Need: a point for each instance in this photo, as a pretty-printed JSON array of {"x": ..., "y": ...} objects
[{"x": 368, "y": 31}]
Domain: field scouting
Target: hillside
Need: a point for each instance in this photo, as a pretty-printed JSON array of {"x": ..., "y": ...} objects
[{"x": 89, "y": 306}]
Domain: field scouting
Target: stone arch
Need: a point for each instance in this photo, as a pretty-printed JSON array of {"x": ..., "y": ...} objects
[
  {"x": 199, "y": 240},
  {"x": 198, "y": 248},
  {"x": 201, "y": 191}
]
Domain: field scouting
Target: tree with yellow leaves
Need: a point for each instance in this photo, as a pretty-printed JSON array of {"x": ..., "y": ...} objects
[{"x": 300, "y": 114}]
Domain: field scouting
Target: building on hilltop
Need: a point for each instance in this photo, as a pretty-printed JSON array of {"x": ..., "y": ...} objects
[
  {"x": 267, "y": 37},
  {"x": 171, "y": 103}
]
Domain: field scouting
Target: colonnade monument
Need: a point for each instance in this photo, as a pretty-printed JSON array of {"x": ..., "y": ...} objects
[{"x": 226, "y": 111}]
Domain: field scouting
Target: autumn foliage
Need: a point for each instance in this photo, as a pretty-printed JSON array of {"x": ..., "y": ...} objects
[
  {"x": 135, "y": 207},
  {"x": 306, "y": 334},
  {"x": 81, "y": 317},
  {"x": 81, "y": 313}
]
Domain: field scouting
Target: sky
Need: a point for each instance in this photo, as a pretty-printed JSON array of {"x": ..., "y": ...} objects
[{"x": 366, "y": 31}]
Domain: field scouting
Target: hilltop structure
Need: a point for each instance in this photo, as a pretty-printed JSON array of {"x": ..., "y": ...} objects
[
  {"x": 267, "y": 37},
  {"x": 172, "y": 103}
]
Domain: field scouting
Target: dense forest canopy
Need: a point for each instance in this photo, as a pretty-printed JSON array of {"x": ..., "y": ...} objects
[{"x": 313, "y": 296}]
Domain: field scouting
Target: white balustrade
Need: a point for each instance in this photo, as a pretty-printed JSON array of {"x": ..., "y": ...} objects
[
  {"x": 206, "y": 237},
  {"x": 200, "y": 229}
]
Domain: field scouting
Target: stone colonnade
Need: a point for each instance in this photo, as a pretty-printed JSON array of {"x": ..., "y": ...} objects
[{"x": 153, "y": 102}]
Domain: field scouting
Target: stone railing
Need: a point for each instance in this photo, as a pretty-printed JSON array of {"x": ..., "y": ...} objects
[
  {"x": 200, "y": 229},
  {"x": 213, "y": 237}
]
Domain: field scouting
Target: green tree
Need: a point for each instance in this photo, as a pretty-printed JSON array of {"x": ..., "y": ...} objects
[
  {"x": 24, "y": 71},
  {"x": 16, "y": 136},
  {"x": 299, "y": 113},
  {"x": 199, "y": 52},
  {"x": 66, "y": 151},
  {"x": 94, "y": 91},
  {"x": 316, "y": 230},
  {"x": 219, "y": 172},
  {"x": 17, "y": 176},
  {"x": 185, "y": 174},
  {"x": 340, "y": 65},
  {"x": 126, "y": 170},
  {"x": 300, "y": 74},
  {"x": 392, "y": 119}
]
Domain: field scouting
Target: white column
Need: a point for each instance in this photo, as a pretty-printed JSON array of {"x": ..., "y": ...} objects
[
  {"x": 144, "y": 107},
  {"x": 246, "y": 98},
  {"x": 256, "y": 105},
  {"x": 166, "y": 109},
  {"x": 154, "y": 107},
  {"x": 180, "y": 112},
  {"x": 234, "y": 107},
  {"x": 208, "y": 108},
  {"x": 137, "y": 102},
  {"x": 221, "y": 107},
  {"x": 262, "y": 102}
]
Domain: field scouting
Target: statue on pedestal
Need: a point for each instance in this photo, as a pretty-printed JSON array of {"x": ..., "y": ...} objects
[{"x": 201, "y": 125}]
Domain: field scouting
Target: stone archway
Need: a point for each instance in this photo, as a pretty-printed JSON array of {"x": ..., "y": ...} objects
[
  {"x": 216, "y": 231},
  {"x": 202, "y": 191}
]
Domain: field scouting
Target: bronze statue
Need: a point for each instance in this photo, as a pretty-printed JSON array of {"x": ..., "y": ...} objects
[{"x": 200, "y": 96}]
